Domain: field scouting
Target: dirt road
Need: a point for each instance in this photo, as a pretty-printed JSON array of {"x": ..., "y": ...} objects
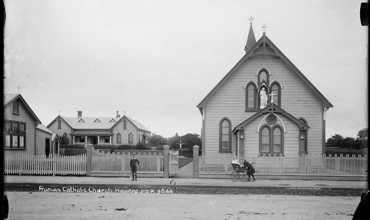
[{"x": 54, "y": 205}]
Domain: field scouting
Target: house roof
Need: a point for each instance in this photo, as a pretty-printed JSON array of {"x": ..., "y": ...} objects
[
  {"x": 96, "y": 123},
  {"x": 43, "y": 128},
  {"x": 9, "y": 97},
  {"x": 265, "y": 41},
  {"x": 271, "y": 108}
]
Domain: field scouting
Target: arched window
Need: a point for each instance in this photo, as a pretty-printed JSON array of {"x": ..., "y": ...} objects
[
  {"x": 225, "y": 136},
  {"x": 263, "y": 77},
  {"x": 130, "y": 138},
  {"x": 251, "y": 97},
  {"x": 271, "y": 140},
  {"x": 275, "y": 93},
  {"x": 277, "y": 140},
  {"x": 263, "y": 97},
  {"x": 118, "y": 137},
  {"x": 265, "y": 139}
]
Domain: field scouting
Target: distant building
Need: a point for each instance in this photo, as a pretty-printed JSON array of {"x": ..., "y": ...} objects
[
  {"x": 118, "y": 130},
  {"x": 23, "y": 130},
  {"x": 263, "y": 107}
]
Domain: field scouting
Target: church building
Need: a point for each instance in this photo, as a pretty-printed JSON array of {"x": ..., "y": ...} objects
[{"x": 264, "y": 107}]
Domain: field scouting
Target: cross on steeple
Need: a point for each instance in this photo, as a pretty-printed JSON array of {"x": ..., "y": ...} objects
[
  {"x": 264, "y": 29},
  {"x": 251, "y": 18}
]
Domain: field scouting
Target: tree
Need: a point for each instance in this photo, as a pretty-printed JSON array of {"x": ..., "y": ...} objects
[
  {"x": 156, "y": 140},
  {"x": 187, "y": 142},
  {"x": 335, "y": 141}
]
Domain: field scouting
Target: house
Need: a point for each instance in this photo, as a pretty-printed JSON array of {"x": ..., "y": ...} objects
[
  {"x": 263, "y": 107},
  {"x": 23, "y": 130},
  {"x": 117, "y": 130}
]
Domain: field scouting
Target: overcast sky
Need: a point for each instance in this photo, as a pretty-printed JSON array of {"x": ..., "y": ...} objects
[{"x": 157, "y": 59}]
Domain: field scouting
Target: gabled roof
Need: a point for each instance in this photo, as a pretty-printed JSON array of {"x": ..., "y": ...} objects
[
  {"x": 10, "y": 97},
  {"x": 265, "y": 42},
  {"x": 271, "y": 108},
  {"x": 41, "y": 127},
  {"x": 97, "y": 123}
]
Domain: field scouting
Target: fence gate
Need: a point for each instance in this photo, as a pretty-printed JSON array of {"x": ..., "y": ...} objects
[{"x": 106, "y": 163}]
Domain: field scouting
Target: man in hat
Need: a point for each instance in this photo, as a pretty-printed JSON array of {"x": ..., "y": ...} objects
[{"x": 134, "y": 164}]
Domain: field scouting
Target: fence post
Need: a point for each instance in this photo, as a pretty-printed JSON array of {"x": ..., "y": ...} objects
[
  {"x": 88, "y": 159},
  {"x": 195, "y": 161},
  {"x": 166, "y": 161}
]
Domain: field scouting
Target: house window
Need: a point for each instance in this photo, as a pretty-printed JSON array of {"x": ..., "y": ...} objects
[
  {"x": 118, "y": 137},
  {"x": 15, "y": 134},
  {"x": 130, "y": 138},
  {"x": 79, "y": 139},
  {"x": 16, "y": 108},
  {"x": 225, "y": 136},
  {"x": 271, "y": 141},
  {"x": 251, "y": 96},
  {"x": 104, "y": 140},
  {"x": 263, "y": 78},
  {"x": 124, "y": 124},
  {"x": 275, "y": 93},
  {"x": 59, "y": 123}
]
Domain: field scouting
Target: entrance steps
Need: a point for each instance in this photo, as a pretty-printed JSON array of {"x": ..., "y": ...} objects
[{"x": 185, "y": 171}]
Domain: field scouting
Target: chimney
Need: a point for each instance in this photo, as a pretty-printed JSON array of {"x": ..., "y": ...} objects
[
  {"x": 79, "y": 115},
  {"x": 117, "y": 114}
]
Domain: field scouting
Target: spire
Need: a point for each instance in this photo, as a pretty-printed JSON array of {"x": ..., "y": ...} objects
[{"x": 251, "y": 39}]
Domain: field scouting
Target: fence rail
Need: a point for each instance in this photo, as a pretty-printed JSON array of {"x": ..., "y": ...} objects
[
  {"x": 24, "y": 163},
  {"x": 332, "y": 165},
  {"x": 150, "y": 161}
]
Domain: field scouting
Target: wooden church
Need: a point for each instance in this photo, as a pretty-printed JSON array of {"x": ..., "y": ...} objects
[{"x": 263, "y": 108}]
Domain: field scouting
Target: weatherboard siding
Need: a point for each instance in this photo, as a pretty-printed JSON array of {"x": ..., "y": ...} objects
[
  {"x": 31, "y": 124},
  {"x": 229, "y": 101},
  {"x": 64, "y": 128},
  {"x": 124, "y": 132},
  {"x": 251, "y": 141}
]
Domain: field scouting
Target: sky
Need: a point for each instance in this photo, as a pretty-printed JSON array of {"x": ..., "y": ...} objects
[{"x": 156, "y": 60}]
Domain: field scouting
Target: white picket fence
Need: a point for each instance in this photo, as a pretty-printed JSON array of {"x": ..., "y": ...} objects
[
  {"x": 337, "y": 165},
  {"x": 29, "y": 164}
]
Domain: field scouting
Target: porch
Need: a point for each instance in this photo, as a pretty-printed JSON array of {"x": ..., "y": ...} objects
[{"x": 92, "y": 137}]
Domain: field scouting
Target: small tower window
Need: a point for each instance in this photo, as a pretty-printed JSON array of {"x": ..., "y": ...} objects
[{"x": 263, "y": 77}]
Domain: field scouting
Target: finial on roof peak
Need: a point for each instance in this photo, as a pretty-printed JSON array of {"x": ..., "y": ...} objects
[{"x": 251, "y": 18}]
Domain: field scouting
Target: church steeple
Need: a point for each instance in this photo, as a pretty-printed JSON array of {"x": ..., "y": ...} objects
[{"x": 251, "y": 38}]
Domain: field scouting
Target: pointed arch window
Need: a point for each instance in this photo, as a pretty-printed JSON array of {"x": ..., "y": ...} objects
[
  {"x": 265, "y": 139},
  {"x": 263, "y": 77},
  {"x": 118, "y": 138},
  {"x": 251, "y": 97},
  {"x": 271, "y": 141},
  {"x": 225, "y": 136},
  {"x": 130, "y": 138},
  {"x": 277, "y": 140},
  {"x": 275, "y": 94}
]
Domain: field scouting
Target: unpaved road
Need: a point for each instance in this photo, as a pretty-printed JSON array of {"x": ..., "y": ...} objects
[{"x": 54, "y": 205}]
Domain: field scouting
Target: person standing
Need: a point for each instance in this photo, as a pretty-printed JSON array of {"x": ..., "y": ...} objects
[
  {"x": 134, "y": 165},
  {"x": 250, "y": 170}
]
